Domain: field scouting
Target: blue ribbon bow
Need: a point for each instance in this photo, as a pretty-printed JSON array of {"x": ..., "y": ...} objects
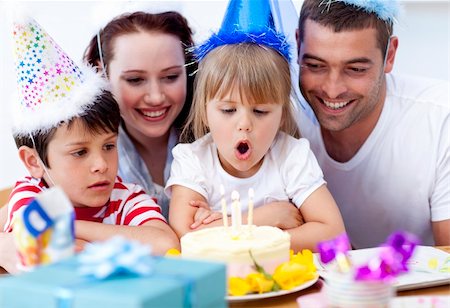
[{"x": 114, "y": 257}]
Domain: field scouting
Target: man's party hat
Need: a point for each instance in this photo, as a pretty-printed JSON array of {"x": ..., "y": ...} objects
[
  {"x": 247, "y": 21},
  {"x": 52, "y": 88},
  {"x": 386, "y": 10}
]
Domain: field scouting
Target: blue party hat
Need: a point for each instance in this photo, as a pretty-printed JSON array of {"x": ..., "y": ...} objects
[
  {"x": 247, "y": 21},
  {"x": 386, "y": 10}
]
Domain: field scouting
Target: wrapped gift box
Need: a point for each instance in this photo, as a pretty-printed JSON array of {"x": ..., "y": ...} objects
[{"x": 174, "y": 283}]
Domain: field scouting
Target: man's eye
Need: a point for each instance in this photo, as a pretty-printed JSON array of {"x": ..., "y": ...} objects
[
  {"x": 313, "y": 67},
  {"x": 358, "y": 69}
]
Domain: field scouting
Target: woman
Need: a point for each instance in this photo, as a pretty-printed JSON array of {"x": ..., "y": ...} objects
[{"x": 148, "y": 61}]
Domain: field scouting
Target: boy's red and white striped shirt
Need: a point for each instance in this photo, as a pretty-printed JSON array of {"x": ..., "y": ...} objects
[{"x": 128, "y": 205}]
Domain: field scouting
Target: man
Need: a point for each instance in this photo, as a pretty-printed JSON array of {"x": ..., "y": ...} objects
[{"x": 381, "y": 139}]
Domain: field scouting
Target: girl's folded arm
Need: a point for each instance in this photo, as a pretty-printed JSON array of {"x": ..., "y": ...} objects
[
  {"x": 181, "y": 213},
  {"x": 323, "y": 221}
]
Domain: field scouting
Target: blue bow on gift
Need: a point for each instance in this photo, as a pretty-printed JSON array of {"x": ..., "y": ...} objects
[
  {"x": 115, "y": 257},
  {"x": 101, "y": 262}
]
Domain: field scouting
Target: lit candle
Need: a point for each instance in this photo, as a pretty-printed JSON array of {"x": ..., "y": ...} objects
[
  {"x": 224, "y": 206},
  {"x": 251, "y": 194},
  {"x": 235, "y": 213}
]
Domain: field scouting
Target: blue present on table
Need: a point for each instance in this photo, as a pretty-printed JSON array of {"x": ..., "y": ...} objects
[{"x": 173, "y": 282}]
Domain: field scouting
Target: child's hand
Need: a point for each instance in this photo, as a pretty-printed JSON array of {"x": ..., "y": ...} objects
[
  {"x": 281, "y": 214},
  {"x": 79, "y": 245},
  {"x": 8, "y": 255},
  {"x": 203, "y": 215}
]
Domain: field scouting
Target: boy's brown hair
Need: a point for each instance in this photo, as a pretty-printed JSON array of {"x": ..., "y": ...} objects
[{"x": 102, "y": 116}]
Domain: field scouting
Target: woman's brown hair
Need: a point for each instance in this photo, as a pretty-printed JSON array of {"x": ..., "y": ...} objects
[{"x": 168, "y": 22}]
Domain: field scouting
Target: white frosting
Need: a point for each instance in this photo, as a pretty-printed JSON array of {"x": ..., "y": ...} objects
[{"x": 268, "y": 245}]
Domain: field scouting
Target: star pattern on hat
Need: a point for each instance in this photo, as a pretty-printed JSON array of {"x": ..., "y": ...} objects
[{"x": 44, "y": 72}]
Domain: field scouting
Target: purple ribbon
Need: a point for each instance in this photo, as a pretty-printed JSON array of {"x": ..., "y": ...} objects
[
  {"x": 329, "y": 250},
  {"x": 392, "y": 259}
]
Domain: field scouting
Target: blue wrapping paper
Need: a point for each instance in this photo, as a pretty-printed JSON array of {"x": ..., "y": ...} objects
[{"x": 174, "y": 283}]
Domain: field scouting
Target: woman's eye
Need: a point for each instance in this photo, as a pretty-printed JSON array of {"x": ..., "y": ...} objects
[{"x": 136, "y": 80}]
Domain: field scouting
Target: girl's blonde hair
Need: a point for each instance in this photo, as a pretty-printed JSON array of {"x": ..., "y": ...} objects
[{"x": 260, "y": 74}]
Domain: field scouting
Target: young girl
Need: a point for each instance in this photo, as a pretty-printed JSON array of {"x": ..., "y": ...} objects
[{"x": 247, "y": 139}]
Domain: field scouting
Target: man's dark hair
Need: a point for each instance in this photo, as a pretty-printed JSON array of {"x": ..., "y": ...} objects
[{"x": 342, "y": 17}]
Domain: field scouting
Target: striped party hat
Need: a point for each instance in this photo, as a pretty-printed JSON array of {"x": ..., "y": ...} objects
[{"x": 52, "y": 88}]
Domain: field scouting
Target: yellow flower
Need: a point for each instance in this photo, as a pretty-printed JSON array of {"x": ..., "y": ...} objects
[
  {"x": 238, "y": 286},
  {"x": 291, "y": 274},
  {"x": 173, "y": 252},
  {"x": 306, "y": 258},
  {"x": 259, "y": 282}
]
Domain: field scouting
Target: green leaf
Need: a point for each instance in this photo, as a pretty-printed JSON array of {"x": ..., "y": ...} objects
[{"x": 260, "y": 269}]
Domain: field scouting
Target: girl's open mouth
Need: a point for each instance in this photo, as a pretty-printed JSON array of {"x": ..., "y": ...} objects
[{"x": 243, "y": 150}]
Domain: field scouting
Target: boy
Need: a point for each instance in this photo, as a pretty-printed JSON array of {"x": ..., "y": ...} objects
[{"x": 66, "y": 132}]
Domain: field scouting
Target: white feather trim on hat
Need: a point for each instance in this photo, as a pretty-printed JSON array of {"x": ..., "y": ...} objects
[
  {"x": 52, "y": 88},
  {"x": 47, "y": 116}
]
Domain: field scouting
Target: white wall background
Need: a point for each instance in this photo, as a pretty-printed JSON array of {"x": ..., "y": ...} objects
[{"x": 423, "y": 30}]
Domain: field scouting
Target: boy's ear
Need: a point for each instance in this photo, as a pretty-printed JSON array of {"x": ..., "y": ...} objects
[
  {"x": 100, "y": 68},
  {"x": 31, "y": 161}
]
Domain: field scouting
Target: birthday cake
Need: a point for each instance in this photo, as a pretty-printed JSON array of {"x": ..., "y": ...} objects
[{"x": 268, "y": 246}]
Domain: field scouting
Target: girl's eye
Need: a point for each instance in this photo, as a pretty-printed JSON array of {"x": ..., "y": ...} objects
[
  {"x": 260, "y": 112},
  {"x": 78, "y": 153},
  {"x": 228, "y": 110},
  {"x": 172, "y": 77}
]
